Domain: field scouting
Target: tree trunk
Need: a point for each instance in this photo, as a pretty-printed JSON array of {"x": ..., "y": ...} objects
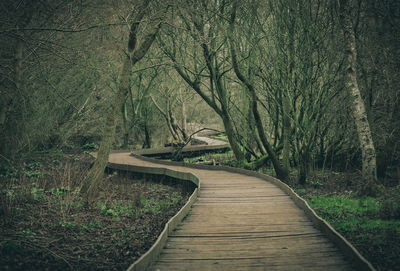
[
  {"x": 135, "y": 54},
  {"x": 369, "y": 172},
  {"x": 230, "y": 133},
  {"x": 95, "y": 174},
  {"x": 253, "y": 130},
  {"x": 167, "y": 114},
  {"x": 126, "y": 125},
  {"x": 175, "y": 126},
  {"x": 281, "y": 172},
  {"x": 147, "y": 138},
  {"x": 184, "y": 120},
  {"x": 171, "y": 124},
  {"x": 303, "y": 171},
  {"x": 286, "y": 129}
]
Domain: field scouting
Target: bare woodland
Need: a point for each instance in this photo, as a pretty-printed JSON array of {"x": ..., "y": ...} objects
[{"x": 295, "y": 85}]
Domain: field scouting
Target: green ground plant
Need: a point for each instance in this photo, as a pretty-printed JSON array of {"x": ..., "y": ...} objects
[{"x": 366, "y": 223}]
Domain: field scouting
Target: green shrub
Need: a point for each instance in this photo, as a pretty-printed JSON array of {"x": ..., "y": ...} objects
[{"x": 109, "y": 212}]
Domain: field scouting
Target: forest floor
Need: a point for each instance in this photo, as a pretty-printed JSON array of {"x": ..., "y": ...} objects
[
  {"x": 46, "y": 225},
  {"x": 371, "y": 224}
]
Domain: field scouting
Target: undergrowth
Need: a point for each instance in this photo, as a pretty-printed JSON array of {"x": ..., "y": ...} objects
[
  {"x": 47, "y": 225},
  {"x": 371, "y": 224}
]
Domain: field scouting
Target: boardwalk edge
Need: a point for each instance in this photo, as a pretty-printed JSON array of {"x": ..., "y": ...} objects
[
  {"x": 352, "y": 254},
  {"x": 153, "y": 253}
]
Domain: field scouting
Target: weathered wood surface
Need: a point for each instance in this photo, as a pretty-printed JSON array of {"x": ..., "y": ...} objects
[{"x": 241, "y": 222}]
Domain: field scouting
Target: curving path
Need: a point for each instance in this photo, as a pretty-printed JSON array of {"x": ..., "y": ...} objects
[
  {"x": 210, "y": 141},
  {"x": 165, "y": 152},
  {"x": 241, "y": 222}
]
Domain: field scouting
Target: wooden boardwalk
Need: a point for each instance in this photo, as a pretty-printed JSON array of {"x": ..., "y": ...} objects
[
  {"x": 241, "y": 222},
  {"x": 188, "y": 151}
]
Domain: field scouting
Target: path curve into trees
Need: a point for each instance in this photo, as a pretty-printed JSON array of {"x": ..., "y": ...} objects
[
  {"x": 210, "y": 141},
  {"x": 242, "y": 222}
]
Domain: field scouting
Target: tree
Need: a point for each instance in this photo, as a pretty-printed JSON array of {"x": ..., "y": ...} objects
[
  {"x": 293, "y": 75},
  {"x": 209, "y": 64},
  {"x": 135, "y": 52},
  {"x": 282, "y": 171},
  {"x": 167, "y": 97},
  {"x": 37, "y": 54},
  {"x": 138, "y": 101},
  {"x": 378, "y": 55},
  {"x": 366, "y": 142}
]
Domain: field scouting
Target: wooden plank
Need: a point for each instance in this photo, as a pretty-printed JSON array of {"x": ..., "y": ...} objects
[
  {"x": 227, "y": 228},
  {"x": 250, "y": 266},
  {"x": 260, "y": 245},
  {"x": 302, "y": 263},
  {"x": 272, "y": 256},
  {"x": 255, "y": 245},
  {"x": 229, "y": 220}
]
